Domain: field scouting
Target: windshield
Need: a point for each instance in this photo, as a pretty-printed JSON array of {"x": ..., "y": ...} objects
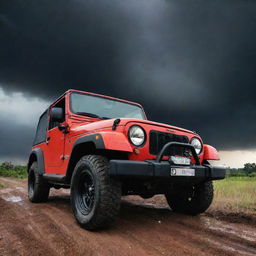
[{"x": 93, "y": 106}]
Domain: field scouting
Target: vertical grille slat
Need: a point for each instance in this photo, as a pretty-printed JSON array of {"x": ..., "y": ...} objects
[{"x": 159, "y": 139}]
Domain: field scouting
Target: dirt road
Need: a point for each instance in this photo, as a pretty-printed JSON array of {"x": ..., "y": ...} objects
[{"x": 144, "y": 228}]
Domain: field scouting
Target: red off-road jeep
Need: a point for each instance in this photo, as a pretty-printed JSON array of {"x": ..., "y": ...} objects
[{"x": 103, "y": 148}]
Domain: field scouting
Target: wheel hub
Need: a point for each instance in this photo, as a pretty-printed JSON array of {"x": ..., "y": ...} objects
[{"x": 86, "y": 188}]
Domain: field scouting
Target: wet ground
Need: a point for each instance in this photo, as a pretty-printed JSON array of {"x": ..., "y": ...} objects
[{"x": 143, "y": 228}]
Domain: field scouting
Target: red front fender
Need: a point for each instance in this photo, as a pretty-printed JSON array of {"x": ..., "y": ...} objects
[
  {"x": 116, "y": 141},
  {"x": 210, "y": 153}
]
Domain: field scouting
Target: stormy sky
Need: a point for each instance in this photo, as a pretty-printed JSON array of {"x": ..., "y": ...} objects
[{"x": 189, "y": 63}]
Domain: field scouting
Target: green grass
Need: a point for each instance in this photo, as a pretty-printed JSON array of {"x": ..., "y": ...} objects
[
  {"x": 17, "y": 172},
  {"x": 1, "y": 185},
  {"x": 236, "y": 195}
]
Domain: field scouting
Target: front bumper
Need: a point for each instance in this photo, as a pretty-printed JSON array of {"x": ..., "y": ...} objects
[
  {"x": 154, "y": 169},
  {"x": 159, "y": 169}
]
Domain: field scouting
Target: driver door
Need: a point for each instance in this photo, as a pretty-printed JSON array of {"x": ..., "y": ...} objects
[{"x": 55, "y": 142}]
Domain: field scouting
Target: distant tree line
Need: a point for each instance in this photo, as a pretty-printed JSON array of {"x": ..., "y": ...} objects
[
  {"x": 9, "y": 169},
  {"x": 249, "y": 170}
]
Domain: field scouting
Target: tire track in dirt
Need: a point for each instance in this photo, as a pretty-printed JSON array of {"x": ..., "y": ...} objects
[
  {"x": 144, "y": 227},
  {"x": 190, "y": 235}
]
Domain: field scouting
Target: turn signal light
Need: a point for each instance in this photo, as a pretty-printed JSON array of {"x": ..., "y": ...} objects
[{"x": 136, "y": 151}]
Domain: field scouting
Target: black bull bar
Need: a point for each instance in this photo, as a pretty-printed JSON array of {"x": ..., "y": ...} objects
[{"x": 162, "y": 169}]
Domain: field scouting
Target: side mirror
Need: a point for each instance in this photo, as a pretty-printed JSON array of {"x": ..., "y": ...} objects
[{"x": 57, "y": 115}]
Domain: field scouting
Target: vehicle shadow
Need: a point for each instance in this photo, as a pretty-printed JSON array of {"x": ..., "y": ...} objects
[
  {"x": 138, "y": 212},
  {"x": 60, "y": 201},
  {"x": 130, "y": 210}
]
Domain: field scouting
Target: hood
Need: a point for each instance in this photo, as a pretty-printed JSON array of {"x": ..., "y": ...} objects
[
  {"x": 125, "y": 121},
  {"x": 106, "y": 124}
]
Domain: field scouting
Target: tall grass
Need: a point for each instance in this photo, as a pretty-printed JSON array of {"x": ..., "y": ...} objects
[{"x": 236, "y": 195}]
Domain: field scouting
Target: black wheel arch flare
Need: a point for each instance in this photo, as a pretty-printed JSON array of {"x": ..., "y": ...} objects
[{"x": 37, "y": 154}]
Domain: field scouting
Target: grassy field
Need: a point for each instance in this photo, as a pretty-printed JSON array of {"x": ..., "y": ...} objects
[{"x": 235, "y": 195}]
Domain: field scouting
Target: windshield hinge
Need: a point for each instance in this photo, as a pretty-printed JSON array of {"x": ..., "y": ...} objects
[
  {"x": 116, "y": 122},
  {"x": 63, "y": 128}
]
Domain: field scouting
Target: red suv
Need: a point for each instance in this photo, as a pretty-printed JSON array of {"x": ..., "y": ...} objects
[{"x": 102, "y": 148}]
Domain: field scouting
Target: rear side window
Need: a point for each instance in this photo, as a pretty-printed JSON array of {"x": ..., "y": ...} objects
[{"x": 41, "y": 129}]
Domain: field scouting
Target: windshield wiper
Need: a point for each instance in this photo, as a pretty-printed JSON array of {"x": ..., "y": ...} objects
[{"x": 91, "y": 115}]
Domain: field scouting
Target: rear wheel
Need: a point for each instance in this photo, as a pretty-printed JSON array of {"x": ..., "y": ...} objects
[
  {"x": 38, "y": 188},
  {"x": 95, "y": 197},
  {"x": 193, "y": 200}
]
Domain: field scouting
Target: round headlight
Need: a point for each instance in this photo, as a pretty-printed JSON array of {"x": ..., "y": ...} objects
[
  {"x": 197, "y": 145},
  {"x": 137, "y": 135}
]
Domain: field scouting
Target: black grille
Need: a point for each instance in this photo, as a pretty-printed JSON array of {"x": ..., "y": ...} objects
[{"x": 158, "y": 139}]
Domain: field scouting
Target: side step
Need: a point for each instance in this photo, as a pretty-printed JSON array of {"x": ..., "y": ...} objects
[{"x": 55, "y": 177}]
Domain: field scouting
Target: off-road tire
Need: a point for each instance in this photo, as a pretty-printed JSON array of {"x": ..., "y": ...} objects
[
  {"x": 95, "y": 196},
  {"x": 38, "y": 188},
  {"x": 193, "y": 200}
]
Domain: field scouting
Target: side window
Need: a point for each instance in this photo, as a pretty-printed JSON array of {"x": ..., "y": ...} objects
[
  {"x": 60, "y": 104},
  {"x": 41, "y": 129}
]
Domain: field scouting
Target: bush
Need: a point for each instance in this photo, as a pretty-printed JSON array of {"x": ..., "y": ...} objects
[
  {"x": 7, "y": 166},
  {"x": 7, "y": 169},
  {"x": 253, "y": 174}
]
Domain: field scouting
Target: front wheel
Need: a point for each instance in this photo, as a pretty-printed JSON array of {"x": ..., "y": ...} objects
[
  {"x": 95, "y": 196},
  {"x": 192, "y": 200}
]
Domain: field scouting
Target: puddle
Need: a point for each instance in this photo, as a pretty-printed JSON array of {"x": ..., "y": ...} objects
[
  {"x": 145, "y": 204},
  {"x": 230, "y": 248},
  {"x": 13, "y": 199},
  {"x": 248, "y": 235}
]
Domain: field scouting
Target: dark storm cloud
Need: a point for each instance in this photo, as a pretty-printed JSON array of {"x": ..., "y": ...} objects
[
  {"x": 190, "y": 63},
  {"x": 15, "y": 141}
]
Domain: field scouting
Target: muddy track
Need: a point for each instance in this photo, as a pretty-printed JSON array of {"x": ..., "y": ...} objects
[{"x": 144, "y": 227}]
